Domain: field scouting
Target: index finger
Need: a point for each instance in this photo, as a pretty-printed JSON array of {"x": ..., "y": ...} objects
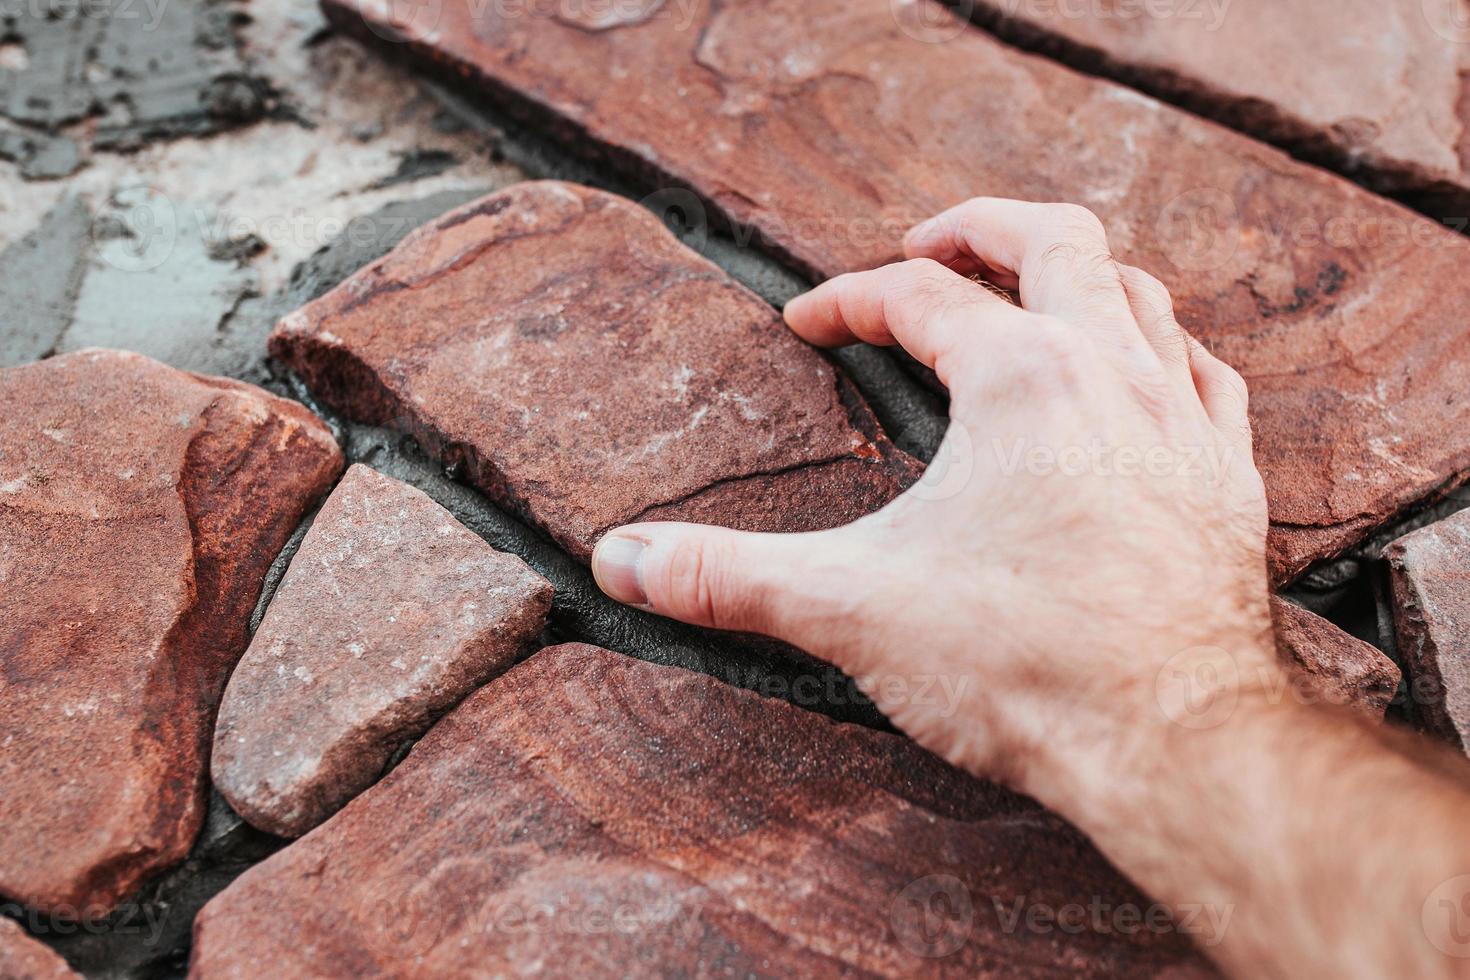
[{"x": 930, "y": 310}]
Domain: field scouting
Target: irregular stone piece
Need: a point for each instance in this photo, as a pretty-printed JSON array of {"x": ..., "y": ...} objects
[
  {"x": 1341, "y": 668},
  {"x": 589, "y": 809},
  {"x": 139, "y": 509},
  {"x": 830, "y": 126},
  {"x": 1372, "y": 87},
  {"x": 392, "y": 611},
  {"x": 586, "y": 369},
  {"x": 1429, "y": 573},
  {"x": 24, "y": 958}
]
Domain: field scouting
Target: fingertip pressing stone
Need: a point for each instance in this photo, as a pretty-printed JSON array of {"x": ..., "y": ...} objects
[
  {"x": 140, "y": 507},
  {"x": 826, "y": 128},
  {"x": 1429, "y": 574},
  {"x": 1342, "y": 669},
  {"x": 24, "y": 958},
  {"x": 588, "y": 809},
  {"x": 585, "y": 369},
  {"x": 391, "y": 612}
]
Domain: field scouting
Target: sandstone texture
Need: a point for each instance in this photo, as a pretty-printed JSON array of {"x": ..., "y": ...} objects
[
  {"x": 24, "y": 958},
  {"x": 1373, "y": 87},
  {"x": 830, "y": 126},
  {"x": 575, "y": 361},
  {"x": 1340, "y": 668},
  {"x": 589, "y": 813},
  {"x": 391, "y": 612},
  {"x": 1429, "y": 572},
  {"x": 140, "y": 507}
]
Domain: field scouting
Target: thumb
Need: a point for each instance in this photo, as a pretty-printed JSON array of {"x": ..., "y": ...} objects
[{"x": 708, "y": 576}]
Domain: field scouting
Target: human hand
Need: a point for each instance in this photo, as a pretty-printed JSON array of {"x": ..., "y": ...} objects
[{"x": 1112, "y": 525}]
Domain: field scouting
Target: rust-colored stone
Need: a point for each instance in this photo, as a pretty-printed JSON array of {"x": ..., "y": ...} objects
[
  {"x": 588, "y": 811},
  {"x": 1341, "y": 669},
  {"x": 586, "y": 370},
  {"x": 1429, "y": 572},
  {"x": 391, "y": 612},
  {"x": 24, "y": 958},
  {"x": 1370, "y": 86},
  {"x": 140, "y": 507},
  {"x": 831, "y": 126}
]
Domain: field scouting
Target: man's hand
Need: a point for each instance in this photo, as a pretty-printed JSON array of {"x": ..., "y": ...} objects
[
  {"x": 1088, "y": 578},
  {"x": 1099, "y": 517}
]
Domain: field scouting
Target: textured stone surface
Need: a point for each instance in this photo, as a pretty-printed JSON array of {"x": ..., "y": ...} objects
[
  {"x": 392, "y": 611},
  {"x": 139, "y": 509},
  {"x": 1429, "y": 571},
  {"x": 1370, "y": 86},
  {"x": 831, "y": 126},
  {"x": 1341, "y": 668},
  {"x": 588, "y": 813},
  {"x": 154, "y": 70},
  {"x": 24, "y": 958},
  {"x": 562, "y": 347}
]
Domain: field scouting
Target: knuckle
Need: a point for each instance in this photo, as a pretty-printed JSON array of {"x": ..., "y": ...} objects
[
  {"x": 699, "y": 585},
  {"x": 1075, "y": 222}
]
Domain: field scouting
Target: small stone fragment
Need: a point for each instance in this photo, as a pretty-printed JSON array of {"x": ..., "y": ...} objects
[
  {"x": 1342, "y": 669},
  {"x": 24, "y": 958},
  {"x": 140, "y": 507},
  {"x": 391, "y": 612},
  {"x": 588, "y": 809},
  {"x": 1429, "y": 573},
  {"x": 585, "y": 369}
]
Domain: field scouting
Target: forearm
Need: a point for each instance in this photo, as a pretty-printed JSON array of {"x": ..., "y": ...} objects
[{"x": 1291, "y": 840}]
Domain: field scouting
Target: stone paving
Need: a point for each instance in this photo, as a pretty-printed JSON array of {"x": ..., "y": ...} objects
[{"x": 542, "y": 360}]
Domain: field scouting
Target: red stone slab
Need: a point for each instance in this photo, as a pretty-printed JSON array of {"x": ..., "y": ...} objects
[
  {"x": 1340, "y": 669},
  {"x": 1429, "y": 572},
  {"x": 1372, "y": 87},
  {"x": 586, "y": 370},
  {"x": 832, "y": 125},
  {"x": 589, "y": 813},
  {"x": 140, "y": 507},
  {"x": 24, "y": 958},
  {"x": 391, "y": 612}
]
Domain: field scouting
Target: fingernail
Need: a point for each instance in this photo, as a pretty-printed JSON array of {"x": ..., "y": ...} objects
[{"x": 617, "y": 565}]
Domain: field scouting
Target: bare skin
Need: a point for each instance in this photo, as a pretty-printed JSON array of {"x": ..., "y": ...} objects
[{"x": 1095, "y": 564}]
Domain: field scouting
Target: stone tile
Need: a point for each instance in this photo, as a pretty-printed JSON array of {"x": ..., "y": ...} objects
[
  {"x": 1340, "y": 668},
  {"x": 24, "y": 958},
  {"x": 392, "y": 611},
  {"x": 560, "y": 348},
  {"x": 588, "y": 809},
  {"x": 831, "y": 125},
  {"x": 139, "y": 509},
  {"x": 1372, "y": 87},
  {"x": 1429, "y": 573}
]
